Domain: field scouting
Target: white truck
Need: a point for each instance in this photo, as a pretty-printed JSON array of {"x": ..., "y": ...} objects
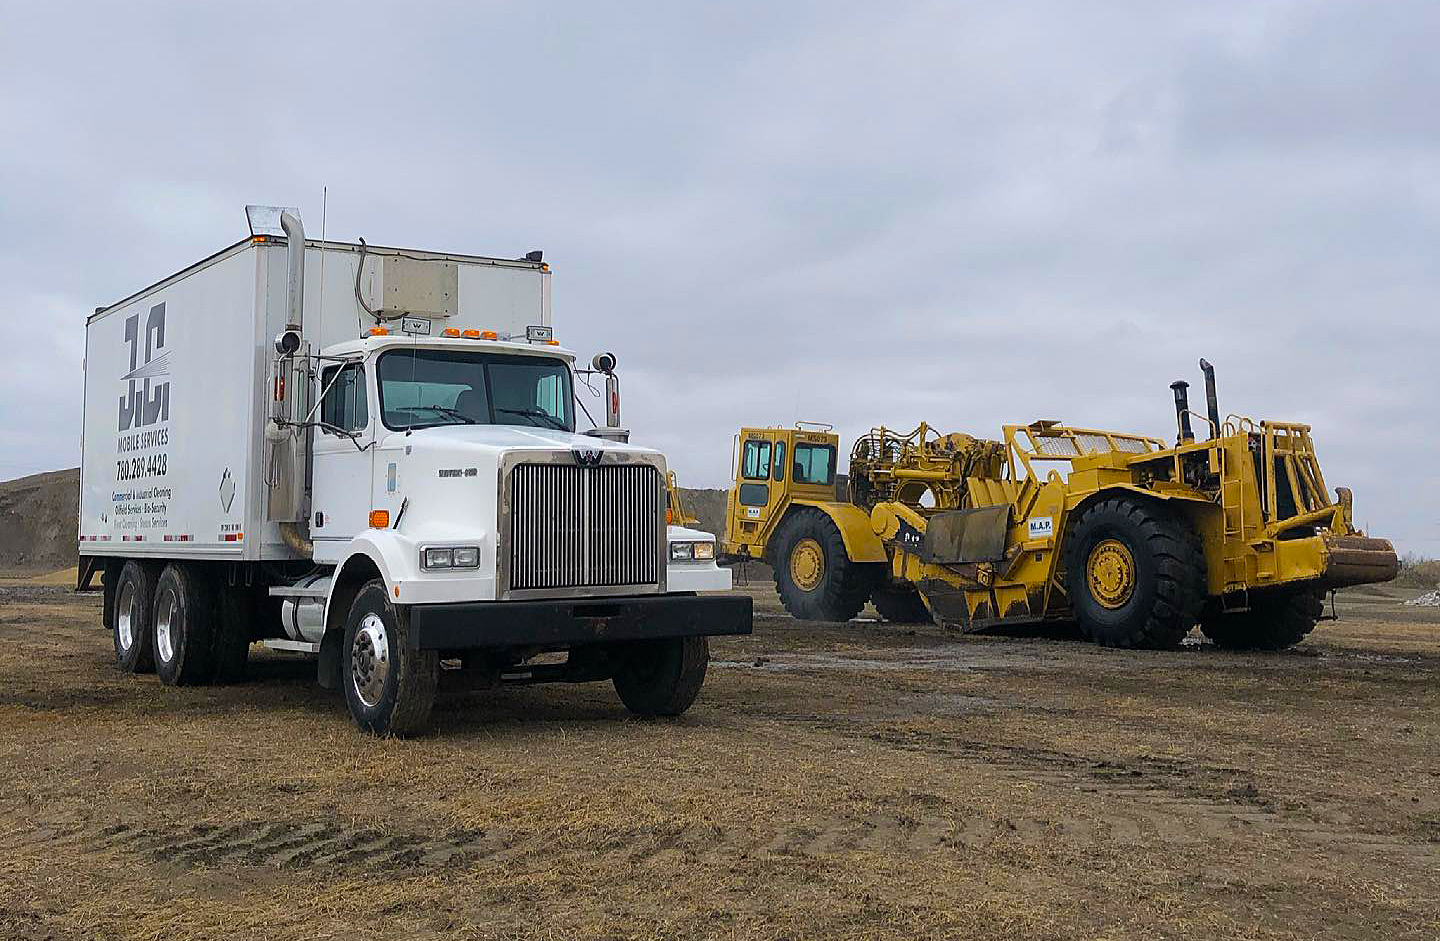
[{"x": 369, "y": 455}]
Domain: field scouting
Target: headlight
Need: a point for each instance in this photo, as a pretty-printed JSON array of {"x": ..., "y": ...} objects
[
  {"x": 456, "y": 557},
  {"x": 692, "y": 551}
]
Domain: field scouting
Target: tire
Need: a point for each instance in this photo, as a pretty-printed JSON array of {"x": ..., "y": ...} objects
[
  {"x": 1276, "y": 620},
  {"x": 134, "y": 603},
  {"x": 389, "y": 686},
  {"x": 901, "y": 606},
  {"x": 235, "y": 612},
  {"x": 184, "y": 633},
  {"x": 1134, "y": 573},
  {"x": 661, "y": 677},
  {"x": 814, "y": 576}
]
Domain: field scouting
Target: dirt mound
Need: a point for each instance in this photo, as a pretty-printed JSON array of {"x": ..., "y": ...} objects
[
  {"x": 38, "y": 521},
  {"x": 708, "y": 506}
]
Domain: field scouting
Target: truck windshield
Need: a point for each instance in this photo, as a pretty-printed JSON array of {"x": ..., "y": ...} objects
[{"x": 421, "y": 388}]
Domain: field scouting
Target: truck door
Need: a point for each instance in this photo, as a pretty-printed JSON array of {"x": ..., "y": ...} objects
[{"x": 340, "y": 501}]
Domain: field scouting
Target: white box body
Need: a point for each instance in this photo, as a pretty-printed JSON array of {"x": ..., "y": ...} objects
[{"x": 177, "y": 381}]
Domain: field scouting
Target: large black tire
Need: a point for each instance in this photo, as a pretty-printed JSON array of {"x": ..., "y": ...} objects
[
  {"x": 184, "y": 622},
  {"x": 389, "y": 686},
  {"x": 133, "y": 628},
  {"x": 1134, "y": 573},
  {"x": 661, "y": 677},
  {"x": 901, "y": 606},
  {"x": 1277, "y": 619},
  {"x": 814, "y": 576}
]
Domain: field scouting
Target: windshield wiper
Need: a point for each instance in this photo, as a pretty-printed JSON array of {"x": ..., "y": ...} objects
[
  {"x": 444, "y": 410},
  {"x": 550, "y": 420}
]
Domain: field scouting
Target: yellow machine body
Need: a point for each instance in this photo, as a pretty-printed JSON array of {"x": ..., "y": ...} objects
[{"x": 979, "y": 527}]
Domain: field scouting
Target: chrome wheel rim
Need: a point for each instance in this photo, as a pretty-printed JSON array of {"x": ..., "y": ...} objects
[
  {"x": 165, "y": 625},
  {"x": 370, "y": 660},
  {"x": 126, "y": 615}
]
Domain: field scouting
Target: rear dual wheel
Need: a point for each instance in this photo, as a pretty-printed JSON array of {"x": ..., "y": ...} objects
[
  {"x": 1277, "y": 619},
  {"x": 184, "y": 617},
  {"x": 131, "y": 627},
  {"x": 901, "y": 606},
  {"x": 167, "y": 621}
]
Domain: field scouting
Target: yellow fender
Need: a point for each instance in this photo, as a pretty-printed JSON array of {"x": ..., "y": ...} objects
[
  {"x": 1180, "y": 496},
  {"x": 861, "y": 543}
]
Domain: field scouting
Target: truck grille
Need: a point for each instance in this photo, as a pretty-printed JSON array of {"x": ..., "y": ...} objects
[{"x": 584, "y": 527}]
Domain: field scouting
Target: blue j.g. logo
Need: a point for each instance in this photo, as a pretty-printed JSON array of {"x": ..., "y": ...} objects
[{"x": 146, "y": 401}]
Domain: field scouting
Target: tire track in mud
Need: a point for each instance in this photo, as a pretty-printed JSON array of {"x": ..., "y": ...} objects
[
  {"x": 308, "y": 844},
  {"x": 1163, "y": 798}
]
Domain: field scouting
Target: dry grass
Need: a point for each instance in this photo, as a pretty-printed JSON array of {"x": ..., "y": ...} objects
[
  {"x": 837, "y": 781},
  {"x": 1416, "y": 572}
]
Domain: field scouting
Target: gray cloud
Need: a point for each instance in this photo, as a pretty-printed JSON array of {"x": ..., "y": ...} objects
[{"x": 855, "y": 213}]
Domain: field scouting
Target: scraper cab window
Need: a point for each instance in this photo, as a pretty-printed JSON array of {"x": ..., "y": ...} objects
[
  {"x": 814, "y": 464},
  {"x": 756, "y": 460},
  {"x": 426, "y": 388}
]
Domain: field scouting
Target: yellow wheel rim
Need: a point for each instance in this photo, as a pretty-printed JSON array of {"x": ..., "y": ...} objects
[
  {"x": 1110, "y": 573},
  {"x": 807, "y": 564}
]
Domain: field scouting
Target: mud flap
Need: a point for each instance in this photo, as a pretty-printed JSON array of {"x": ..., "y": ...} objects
[{"x": 327, "y": 670}]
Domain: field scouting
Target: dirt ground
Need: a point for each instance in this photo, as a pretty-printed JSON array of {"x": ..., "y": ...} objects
[{"x": 850, "y": 781}]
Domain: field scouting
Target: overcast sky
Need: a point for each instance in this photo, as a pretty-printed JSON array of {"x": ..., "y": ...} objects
[{"x": 859, "y": 213}]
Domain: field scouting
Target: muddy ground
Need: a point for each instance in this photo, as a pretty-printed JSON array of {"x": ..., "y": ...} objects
[{"x": 849, "y": 781}]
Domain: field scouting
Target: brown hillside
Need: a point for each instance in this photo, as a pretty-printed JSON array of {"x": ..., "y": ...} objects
[{"x": 38, "y": 521}]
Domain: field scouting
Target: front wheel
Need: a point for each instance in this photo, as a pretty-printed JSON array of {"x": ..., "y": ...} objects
[
  {"x": 661, "y": 677},
  {"x": 389, "y": 687},
  {"x": 1276, "y": 620},
  {"x": 814, "y": 576},
  {"x": 1134, "y": 573}
]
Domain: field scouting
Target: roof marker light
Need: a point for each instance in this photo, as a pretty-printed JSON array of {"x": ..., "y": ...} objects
[
  {"x": 471, "y": 334},
  {"x": 449, "y": 332},
  {"x": 489, "y": 335},
  {"x": 379, "y": 331}
]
